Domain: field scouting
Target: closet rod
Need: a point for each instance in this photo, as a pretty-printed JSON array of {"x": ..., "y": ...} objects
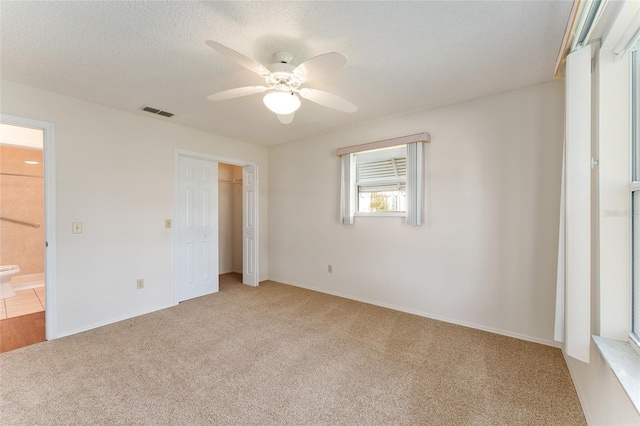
[
  {"x": 21, "y": 222},
  {"x": 230, "y": 181},
  {"x": 20, "y": 174}
]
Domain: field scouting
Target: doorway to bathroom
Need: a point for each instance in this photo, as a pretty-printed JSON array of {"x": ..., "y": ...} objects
[{"x": 25, "y": 147}]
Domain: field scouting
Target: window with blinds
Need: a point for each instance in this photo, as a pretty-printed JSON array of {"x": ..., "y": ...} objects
[{"x": 381, "y": 180}]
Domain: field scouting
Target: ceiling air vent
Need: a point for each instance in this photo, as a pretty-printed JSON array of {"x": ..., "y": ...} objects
[{"x": 156, "y": 111}]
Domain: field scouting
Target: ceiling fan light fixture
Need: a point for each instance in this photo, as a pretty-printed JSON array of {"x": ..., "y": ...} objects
[{"x": 282, "y": 102}]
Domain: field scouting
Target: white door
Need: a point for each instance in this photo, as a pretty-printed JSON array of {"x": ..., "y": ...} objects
[
  {"x": 196, "y": 228},
  {"x": 249, "y": 226}
]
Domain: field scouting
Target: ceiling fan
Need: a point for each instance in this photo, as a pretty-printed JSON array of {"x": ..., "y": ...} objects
[{"x": 284, "y": 81}]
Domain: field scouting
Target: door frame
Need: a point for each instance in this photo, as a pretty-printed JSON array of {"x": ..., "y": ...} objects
[
  {"x": 178, "y": 152},
  {"x": 50, "y": 269}
]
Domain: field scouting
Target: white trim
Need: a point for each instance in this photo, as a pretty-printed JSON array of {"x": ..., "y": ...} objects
[
  {"x": 402, "y": 140},
  {"x": 49, "y": 150},
  {"x": 112, "y": 321},
  {"x": 203, "y": 156},
  {"x": 178, "y": 152},
  {"x": 582, "y": 394},
  {"x": 427, "y": 315},
  {"x": 378, "y": 214}
]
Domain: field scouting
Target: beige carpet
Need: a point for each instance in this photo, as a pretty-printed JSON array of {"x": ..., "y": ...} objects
[{"x": 282, "y": 355}]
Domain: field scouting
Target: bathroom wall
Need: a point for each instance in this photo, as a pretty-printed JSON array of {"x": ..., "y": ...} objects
[
  {"x": 21, "y": 198},
  {"x": 230, "y": 218}
]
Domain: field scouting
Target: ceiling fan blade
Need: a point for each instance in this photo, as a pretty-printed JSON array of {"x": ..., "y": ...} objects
[
  {"x": 239, "y": 58},
  {"x": 327, "y": 99},
  {"x": 286, "y": 118},
  {"x": 236, "y": 93},
  {"x": 318, "y": 66}
]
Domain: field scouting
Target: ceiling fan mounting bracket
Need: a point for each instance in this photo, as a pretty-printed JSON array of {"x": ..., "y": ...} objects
[{"x": 283, "y": 57}]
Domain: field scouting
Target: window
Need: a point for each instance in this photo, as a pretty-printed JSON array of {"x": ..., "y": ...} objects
[
  {"x": 635, "y": 195},
  {"x": 381, "y": 180}
]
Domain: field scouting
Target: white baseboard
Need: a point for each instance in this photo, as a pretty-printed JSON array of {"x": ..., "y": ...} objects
[
  {"x": 581, "y": 394},
  {"x": 111, "y": 321},
  {"x": 551, "y": 343}
]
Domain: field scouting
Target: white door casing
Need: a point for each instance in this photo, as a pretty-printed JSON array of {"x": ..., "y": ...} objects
[
  {"x": 196, "y": 228},
  {"x": 250, "y": 225}
]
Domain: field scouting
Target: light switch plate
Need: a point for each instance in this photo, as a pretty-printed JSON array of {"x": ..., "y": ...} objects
[
  {"x": 76, "y": 227},
  {"x": 167, "y": 223}
]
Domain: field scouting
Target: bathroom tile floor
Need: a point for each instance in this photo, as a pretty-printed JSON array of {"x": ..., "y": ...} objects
[{"x": 24, "y": 302}]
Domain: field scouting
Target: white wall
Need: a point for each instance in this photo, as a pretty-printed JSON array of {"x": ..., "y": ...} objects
[
  {"x": 114, "y": 173},
  {"x": 603, "y": 399},
  {"x": 487, "y": 255},
  {"x": 230, "y": 218}
]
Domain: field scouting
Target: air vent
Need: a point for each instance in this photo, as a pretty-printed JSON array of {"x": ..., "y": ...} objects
[{"x": 156, "y": 111}]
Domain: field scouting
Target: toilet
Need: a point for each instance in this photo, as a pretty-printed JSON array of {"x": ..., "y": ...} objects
[{"x": 6, "y": 272}]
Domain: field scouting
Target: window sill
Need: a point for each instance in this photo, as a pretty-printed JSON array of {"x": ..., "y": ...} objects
[
  {"x": 625, "y": 364},
  {"x": 381, "y": 214}
]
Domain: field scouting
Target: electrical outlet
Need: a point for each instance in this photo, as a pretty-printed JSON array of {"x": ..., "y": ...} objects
[
  {"x": 167, "y": 223},
  {"x": 76, "y": 227},
  {"x": 330, "y": 269},
  {"x": 140, "y": 283}
]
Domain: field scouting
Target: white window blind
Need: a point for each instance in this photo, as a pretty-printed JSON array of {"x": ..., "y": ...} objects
[
  {"x": 576, "y": 259},
  {"x": 381, "y": 171},
  {"x": 347, "y": 189},
  {"x": 415, "y": 183}
]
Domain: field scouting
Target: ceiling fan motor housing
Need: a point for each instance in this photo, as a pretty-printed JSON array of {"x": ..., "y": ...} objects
[{"x": 282, "y": 73}]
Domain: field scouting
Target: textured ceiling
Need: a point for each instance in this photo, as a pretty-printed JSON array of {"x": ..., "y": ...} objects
[{"x": 403, "y": 56}]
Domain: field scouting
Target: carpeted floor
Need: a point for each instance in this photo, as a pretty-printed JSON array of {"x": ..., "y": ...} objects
[{"x": 276, "y": 355}]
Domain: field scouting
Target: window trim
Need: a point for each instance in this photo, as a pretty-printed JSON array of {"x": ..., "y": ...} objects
[
  {"x": 381, "y": 214},
  {"x": 402, "y": 140}
]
